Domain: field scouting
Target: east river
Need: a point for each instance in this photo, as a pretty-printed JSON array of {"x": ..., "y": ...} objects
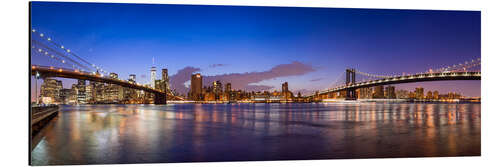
[{"x": 109, "y": 134}]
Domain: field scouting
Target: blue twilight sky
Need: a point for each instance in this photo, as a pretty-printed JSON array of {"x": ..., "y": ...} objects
[{"x": 321, "y": 42}]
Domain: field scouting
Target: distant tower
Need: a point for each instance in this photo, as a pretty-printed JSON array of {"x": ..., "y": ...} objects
[
  {"x": 132, "y": 78},
  {"x": 284, "y": 91},
  {"x": 153, "y": 74},
  {"x": 284, "y": 87},
  {"x": 228, "y": 87},
  {"x": 164, "y": 77}
]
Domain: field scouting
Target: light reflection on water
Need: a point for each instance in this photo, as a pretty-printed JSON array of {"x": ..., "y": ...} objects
[{"x": 96, "y": 134}]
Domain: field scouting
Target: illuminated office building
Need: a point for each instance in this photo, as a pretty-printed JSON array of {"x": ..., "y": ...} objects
[
  {"x": 378, "y": 92},
  {"x": 80, "y": 92},
  {"x": 166, "y": 80},
  {"x": 419, "y": 92},
  {"x": 196, "y": 86},
  {"x": 153, "y": 76},
  {"x": 49, "y": 91},
  {"x": 390, "y": 92}
]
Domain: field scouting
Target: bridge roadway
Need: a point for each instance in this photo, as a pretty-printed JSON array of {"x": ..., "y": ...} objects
[
  {"x": 442, "y": 76},
  {"x": 44, "y": 71}
]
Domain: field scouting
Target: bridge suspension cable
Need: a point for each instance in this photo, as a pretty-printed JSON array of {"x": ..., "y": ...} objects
[
  {"x": 337, "y": 81},
  {"x": 372, "y": 75},
  {"x": 42, "y": 52},
  {"x": 66, "y": 50},
  {"x": 459, "y": 67},
  {"x": 47, "y": 49}
]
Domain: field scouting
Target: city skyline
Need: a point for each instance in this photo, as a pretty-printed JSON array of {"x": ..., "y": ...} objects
[
  {"x": 124, "y": 83},
  {"x": 255, "y": 40}
]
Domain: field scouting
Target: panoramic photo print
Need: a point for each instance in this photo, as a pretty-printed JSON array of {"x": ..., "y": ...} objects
[{"x": 116, "y": 83}]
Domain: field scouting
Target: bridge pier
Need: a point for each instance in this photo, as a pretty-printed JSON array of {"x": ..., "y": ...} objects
[
  {"x": 351, "y": 94},
  {"x": 160, "y": 98}
]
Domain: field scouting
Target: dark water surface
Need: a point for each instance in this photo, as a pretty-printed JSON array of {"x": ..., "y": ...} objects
[{"x": 103, "y": 134}]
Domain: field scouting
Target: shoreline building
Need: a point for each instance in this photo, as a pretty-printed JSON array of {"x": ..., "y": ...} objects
[
  {"x": 285, "y": 93},
  {"x": 390, "y": 92},
  {"x": 196, "y": 87},
  {"x": 365, "y": 93},
  {"x": 65, "y": 96},
  {"x": 419, "y": 93},
  {"x": 81, "y": 92},
  {"x": 378, "y": 92},
  {"x": 50, "y": 91}
]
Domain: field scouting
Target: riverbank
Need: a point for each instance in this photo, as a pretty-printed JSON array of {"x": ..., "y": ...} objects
[{"x": 40, "y": 117}]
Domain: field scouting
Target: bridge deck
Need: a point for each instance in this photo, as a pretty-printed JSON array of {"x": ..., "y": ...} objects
[{"x": 443, "y": 76}]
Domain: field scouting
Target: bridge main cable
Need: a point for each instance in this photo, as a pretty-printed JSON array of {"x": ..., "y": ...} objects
[
  {"x": 59, "y": 54},
  {"x": 59, "y": 46}
]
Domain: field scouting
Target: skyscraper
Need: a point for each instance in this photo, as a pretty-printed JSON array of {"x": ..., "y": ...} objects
[
  {"x": 419, "y": 92},
  {"x": 65, "y": 96},
  {"x": 196, "y": 86},
  {"x": 99, "y": 90},
  {"x": 390, "y": 92},
  {"x": 81, "y": 91},
  {"x": 164, "y": 74},
  {"x": 365, "y": 93},
  {"x": 166, "y": 80},
  {"x": 228, "y": 87},
  {"x": 217, "y": 86},
  {"x": 49, "y": 91},
  {"x": 435, "y": 95},
  {"x": 132, "y": 78},
  {"x": 402, "y": 94},
  {"x": 284, "y": 91},
  {"x": 153, "y": 76},
  {"x": 284, "y": 87},
  {"x": 89, "y": 93},
  {"x": 378, "y": 92},
  {"x": 228, "y": 92},
  {"x": 217, "y": 89}
]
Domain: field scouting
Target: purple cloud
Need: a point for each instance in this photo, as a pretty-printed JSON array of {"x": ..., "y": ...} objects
[
  {"x": 216, "y": 65},
  {"x": 177, "y": 81},
  {"x": 316, "y": 79},
  {"x": 244, "y": 81}
]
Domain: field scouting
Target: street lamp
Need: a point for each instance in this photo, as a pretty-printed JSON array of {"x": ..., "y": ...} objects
[{"x": 36, "y": 87}]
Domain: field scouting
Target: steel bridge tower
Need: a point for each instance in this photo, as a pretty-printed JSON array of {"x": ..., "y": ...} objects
[{"x": 350, "y": 80}]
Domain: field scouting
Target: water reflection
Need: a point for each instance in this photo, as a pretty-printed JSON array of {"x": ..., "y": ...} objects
[{"x": 227, "y": 132}]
